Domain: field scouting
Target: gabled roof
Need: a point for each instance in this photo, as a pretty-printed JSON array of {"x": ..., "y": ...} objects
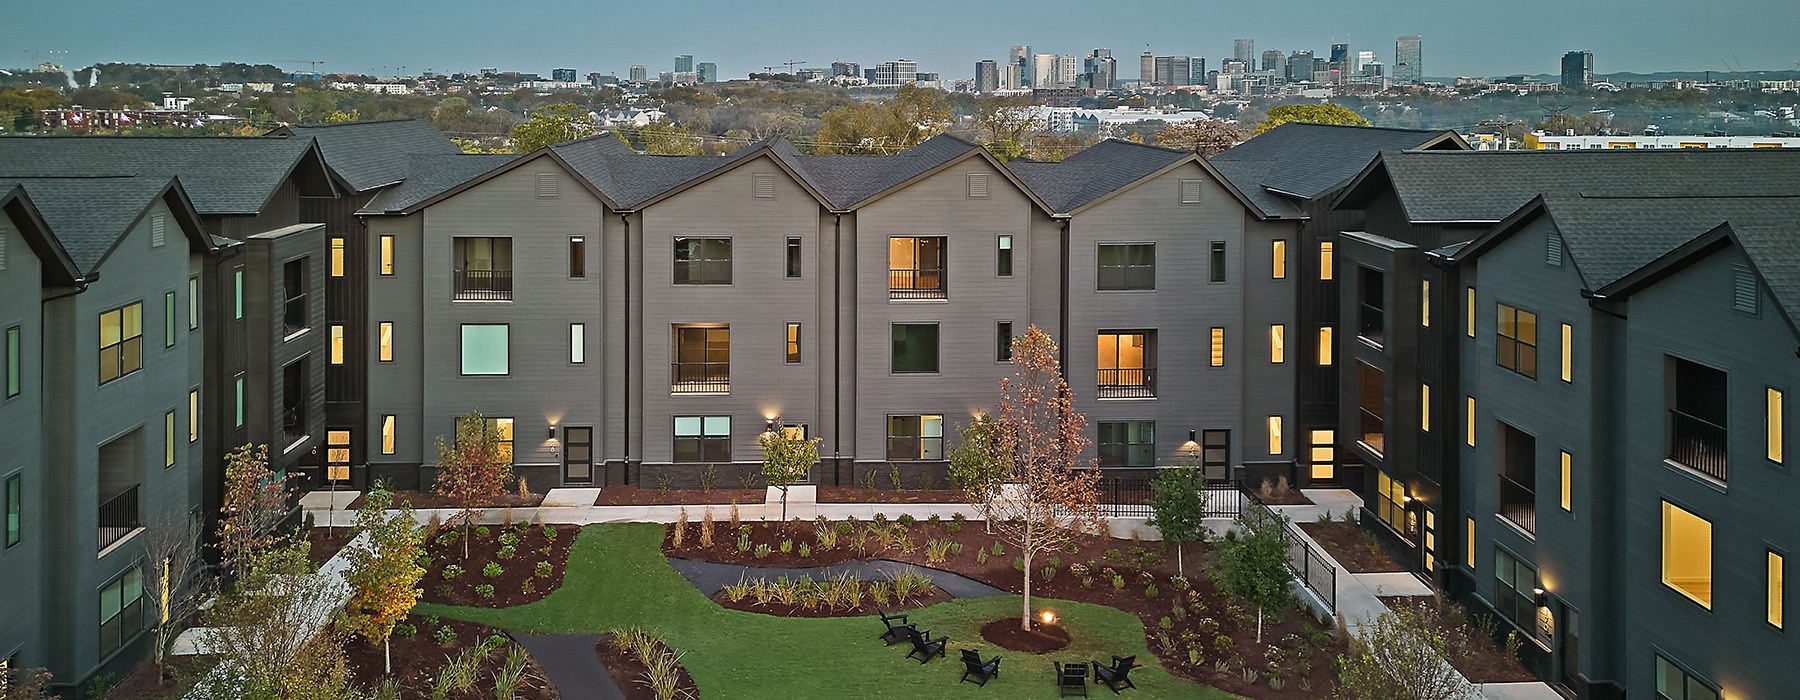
[
  {"x": 428, "y": 176},
  {"x": 89, "y": 216},
  {"x": 367, "y": 155},
  {"x": 1102, "y": 170},
  {"x": 1304, "y": 161},
  {"x": 16, "y": 205},
  {"x": 223, "y": 175},
  {"x": 848, "y": 182}
]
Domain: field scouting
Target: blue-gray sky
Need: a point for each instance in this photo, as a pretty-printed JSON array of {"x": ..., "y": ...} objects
[{"x": 947, "y": 36}]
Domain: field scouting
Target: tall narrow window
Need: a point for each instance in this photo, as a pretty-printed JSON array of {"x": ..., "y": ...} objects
[
  {"x": 1003, "y": 338},
  {"x": 169, "y": 439},
  {"x": 121, "y": 342},
  {"x": 1469, "y": 422},
  {"x": 1774, "y": 435},
  {"x": 337, "y": 343},
  {"x": 1425, "y": 408},
  {"x": 14, "y": 363},
  {"x": 169, "y": 319},
  {"x": 388, "y": 437},
  {"x": 1322, "y": 452},
  {"x": 1217, "y": 358},
  {"x": 385, "y": 342},
  {"x": 1777, "y": 576},
  {"x": 1425, "y": 303},
  {"x": 577, "y": 257},
  {"x": 337, "y": 256},
  {"x": 1371, "y": 307},
  {"x": 238, "y": 406},
  {"x": 1568, "y": 353},
  {"x": 121, "y": 610},
  {"x": 193, "y": 415},
  {"x": 1469, "y": 543},
  {"x": 1371, "y": 408},
  {"x": 1469, "y": 312},
  {"x": 577, "y": 343},
  {"x": 793, "y": 343},
  {"x": 15, "y": 501},
  {"x": 387, "y": 255},
  {"x": 1005, "y": 256},
  {"x": 1325, "y": 346},
  {"x": 193, "y": 303},
  {"x": 1326, "y": 262},
  {"x": 1275, "y": 435},
  {"x": 1216, "y": 261},
  {"x": 1277, "y": 344},
  {"x": 1278, "y": 259},
  {"x": 793, "y": 256},
  {"x": 1687, "y": 554},
  {"x": 1566, "y": 498}
]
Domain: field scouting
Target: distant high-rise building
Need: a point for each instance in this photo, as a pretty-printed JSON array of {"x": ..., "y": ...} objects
[
  {"x": 1146, "y": 69},
  {"x": 1172, "y": 70},
  {"x": 1409, "y": 60},
  {"x": 1577, "y": 70},
  {"x": 1010, "y": 78},
  {"x": 1300, "y": 66},
  {"x": 1273, "y": 61},
  {"x": 1068, "y": 70},
  {"x": 684, "y": 63},
  {"x": 899, "y": 72},
  {"x": 706, "y": 72},
  {"x": 1340, "y": 53},
  {"x": 639, "y": 73},
  {"x": 1101, "y": 70},
  {"x": 1363, "y": 58},
  {"x": 847, "y": 68},
  {"x": 869, "y": 75},
  {"x": 1244, "y": 50},
  {"x": 1234, "y": 67},
  {"x": 1197, "y": 70},
  {"x": 987, "y": 76},
  {"x": 566, "y": 75},
  {"x": 1020, "y": 58}
]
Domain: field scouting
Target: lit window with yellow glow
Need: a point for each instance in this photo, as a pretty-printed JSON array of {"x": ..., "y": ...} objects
[
  {"x": 1277, "y": 344},
  {"x": 1773, "y": 414},
  {"x": 387, "y": 435},
  {"x": 1325, "y": 346},
  {"x": 1274, "y": 435},
  {"x": 1218, "y": 347},
  {"x": 1568, "y": 353},
  {"x": 1425, "y": 303},
  {"x": 1687, "y": 554},
  {"x": 337, "y": 257},
  {"x": 1425, "y": 408},
  {"x": 1469, "y": 313},
  {"x": 337, "y": 344},
  {"x": 1776, "y": 581},
  {"x": 1278, "y": 259},
  {"x": 1325, "y": 261},
  {"x": 1469, "y": 545},
  {"x": 1469, "y": 422},
  {"x": 387, "y": 255},
  {"x": 1323, "y": 451},
  {"x": 385, "y": 347},
  {"x": 1568, "y": 488}
]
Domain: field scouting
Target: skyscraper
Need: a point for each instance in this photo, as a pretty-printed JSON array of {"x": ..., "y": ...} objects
[
  {"x": 846, "y": 68},
  {"x": 639, "y": 73},
  {"x": 1363, "y": 58},
  {"x": 1300, "y": 66},
  {"x": 1101, "y": 69},
  {"x": 1172, "y": 70},
  {"x": 1043, "y": 70},
  {"x": 1197, "y": 70},
  {"x": 1577, "y": 70},
  {"x": 1273, "y": 61},
  {"x": 1020, "y": 58},
  {"x": 1244, "y": 50},
  {"x": 987, "y": 76},
  {"x": 898, "y": 72},
  {"x": 566, "y": 75},
  {"x": 1146, "y": 69},
  {"x": 1068, "y": 68},
  {"x": 1409, "y": 60},
  {"x": 1340, "y": 53},
  {"x": 684, "y": 63},
  {"x": 706, "y": 72}
]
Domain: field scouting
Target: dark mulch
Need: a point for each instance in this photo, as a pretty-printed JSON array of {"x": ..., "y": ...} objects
[
  {"x": 868, "y": 607},
  {"x": 446, "y": 548},
  {"x": 326, "y": 542},
  {"x": 857, "y": 494},
  {"x": 419, "y": 657},
  {"x": 1351, "y": 546},
  {"x": 178, "y": 675},
  {"x": 1472, "y": 651},
  {"x": 1039, "y": 639},
  {"x": 634, "y": 496},
  {"x": 420, "y": 500},
  {"x": 630, "y": 672},
  {"x": 725, "y": 544}
]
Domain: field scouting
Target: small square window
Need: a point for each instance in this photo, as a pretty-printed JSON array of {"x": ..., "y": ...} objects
[
  {"x": 485, "y": 349},
  {"x": 915, "y": 348}
]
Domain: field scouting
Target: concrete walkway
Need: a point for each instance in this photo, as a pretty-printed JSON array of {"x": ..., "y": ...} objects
[
  {"x": 710, "y": 577},
  {"x": 572, "y": 664}
]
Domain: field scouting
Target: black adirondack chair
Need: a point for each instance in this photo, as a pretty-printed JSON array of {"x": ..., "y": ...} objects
[
  {"x": 1071, "y": 679},
  {"x": 1117, "y": 676},
  {"x": 981, "y": 670},
  {"x": 924, "y": 647},
  {"x": 896, "y": 628}
]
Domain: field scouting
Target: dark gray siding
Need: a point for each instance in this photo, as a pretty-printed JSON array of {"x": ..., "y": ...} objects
[{"x": 23, "y": 566}]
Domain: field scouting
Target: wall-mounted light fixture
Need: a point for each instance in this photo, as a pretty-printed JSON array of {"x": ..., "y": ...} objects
[
  {"x": 1541, "y": 596},
  {"x": 1190, "y": 448},
  {"x": 552, "y": 431},
  {"x": 770, "y": 424}
]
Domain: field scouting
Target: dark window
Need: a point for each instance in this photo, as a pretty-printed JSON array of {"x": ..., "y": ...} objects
[
  {"x": 702, "y": 261},
  {"x": 14, "y": 362},
  {"x": 1216, "y": 261},
  {"x": 294, "y": 316},
  {"x": 793, "y": 256},
  {"x": 1675, "y": 683},
  {"x": 915, "y": 437},
  {"x": 1371, "y": 387},
  {"x": 121, "y": 342},
  {"x": 1697, "y": 418},
  {"x": 1215, "y": 454},
  {"x": 15, "y": 497},
  {"x": 121, "y": 610},
  {"x": 703, "y": 438},
  {"x": 1518, "y": 477},
  {"x": 916, "y": 267},
  {"x": 702, "y": 360},
  {"x": 578, "y": 256},
  {"x": 483, "y": 269},
  {"x": 1127, "y": 444},
  {"x": 1003, "y": 338},
  {"x": 293, "y": 402},
  {"x": 1371, "y": 306},
  {"x": 1127, "y": 364},
  {"x": 1005, "y": 256},
  {"x": 1515, "y": 345},
  {"x": 1514, "y": 592},
  {"x": 1127, "y": 266},
  {"x": 915, "y": 347}
]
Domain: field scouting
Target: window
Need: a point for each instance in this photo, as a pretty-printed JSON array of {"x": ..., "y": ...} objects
[
  {"x": 703, "y": 438},
  {"x": 1515, "y": 592},
  {"x": 1005, "y": 256},
  {"x": 1773, "y": 425},
  {"x": 793, "y": 256},
  {"x": 702, "y": 260},
  {"x": 193, "y": 415},
  {"x": 577, "y": 343},
  {"x": 169, "y": 319},
  {"x": 485, "y": 349},
  {"x": 1127, "y": 443},
  {"x": 121, "y": 610},
  {"x": 238, "y": 420},
  {"x": 577, "y": 257},
  {"x": 121, "y": 341},
  {"x": 1371, "y": 306},
  {"x": 1696, "y": 427},
  {"x": 916, "y": 267},
  {"x": 295, "y": 316},
  {"x": 793, "y": 343},
  {"x": 14, "y": 363},
  {"x": 388, "y": 436},
  {"x": 193, "y": 303},
  {"x": 1277, "y": 344},
  {"x": 915, "y": 348},
  {"x": 337, "y": 455},
  {"x": 484, "y": 269},
  {"x": 1216, "y": 261},
  {"x": 1127, "y": 266},
  {"x": 237, "y": 293},
  {"x": 387, "y": 255},
  {"x": 384, "y": 350},
  {"x": 1275, "y": 435},
  {"x": 1687, "y": 554},
  {"x": 1425, "y": 303},
  {"x": 1517, "y": 459},
  {"x": 1425, "y": 408},
  {"x": 1469, "y": 543},
  {"x": 503, "y": 443},
  {"x": 915, "y": 437},
  {"x": 1469, "y": 421},
  {"x": 1469, "y": 312},
  {"x": 702, "y": 362},
  {"x": 1324, "y": 346},
  {"x": 1003, "y": 338},
  {"x": 1371, "y": 387},
  {"x": 1566, "y": 498},
  {"x": 295, "y": 384},
  {"x": 15, "y": 502},
  {"x": 1774, "y": 564},
  {"x": 168, "y": 439},
  {"x": 1217, "y": 357},
  {"x": 1674, "y": 683},
  {"x": 1126, "y": 362},
  {"x": 1278, "y": 260},
  {"x": 1515, "y": 346},
  {"x": 1215, "y": 454},
  {"x": 1326, "y": 273},
  {"x": 1322, "y": 453},
  {"x": 337, "y": 344},
  {"x": 337, "y": 256},
  {"x": 1390, "y": 501}
]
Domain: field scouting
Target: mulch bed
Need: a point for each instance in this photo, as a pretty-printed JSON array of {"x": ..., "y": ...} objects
[
  {"x": 178, "y": 676},
  {"x": 327, "y": 541},
  {"x": 725, "y": 541},
  {"x": 1352, "y": 547},
  {"x": 1472, "y": 652},
  {"x": 1041, "y": 638},
  {"x": 419, "y": 657},
  {"x": 857, "y": 494},
  {"x": 634, "y": 496},
  {"x": 630, "y": 673},
  {"x": 931, "y": 597},
  {"x": 418, "y": 500},
  {"x": 446, "y": 548}
]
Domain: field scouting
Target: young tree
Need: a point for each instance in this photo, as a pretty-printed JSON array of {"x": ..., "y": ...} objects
[
  {"x": 23, "y": 683},
  {"x": 978, "y": 467},
  {"x": 1310, "y": 113},
  {"x": 1050, "y": 500},
  {"x": 384, "y": 575},
  {"x": 255, "y": 503},
  {"x": 272, "y": 633},
  {"x": 1179, "y": 508},
  {"x": 175, "y": 584},
  {"x": 472, "y": 469},
  {"x": 786, "y": 459},
  {"x": 1401, "y": 656},
  {"x": 1253, "y": 565}
]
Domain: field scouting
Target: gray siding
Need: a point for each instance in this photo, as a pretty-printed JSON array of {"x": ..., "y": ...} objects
[
  {"x": 397, "y": 387},
  {"x": 23, "y": 566}
]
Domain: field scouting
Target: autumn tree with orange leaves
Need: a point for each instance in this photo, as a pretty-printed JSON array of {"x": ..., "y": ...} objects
[
  {"x": 384, "y": 574},
  {"x": 472, "y": 469},
  {"x": 255, "y": 503},
  {"x": 1047, "y": 501}
]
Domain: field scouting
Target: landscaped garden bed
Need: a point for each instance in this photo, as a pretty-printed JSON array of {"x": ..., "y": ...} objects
[
  {"x": 835, "y": 596},
  {"x": 1471, "y": 640},
  {"x": 418, "y": 500},
  {"x": 644, "y": 667},
  {"x": 863, "y": 494},
  {"x": 472, "y": 661},
  {"x": 1354, "y": 548},
  {"x": 506, "y": 565},
  {"x": 177, "y": 677},
  {"x": 634, "y": 496}
]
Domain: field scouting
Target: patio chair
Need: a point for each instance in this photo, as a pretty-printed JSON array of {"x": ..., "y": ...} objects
[
  {"x": 1071, "y": 679},
  {"x": 896, "y": 628},
  {"x": 981, "y": 670},
  {"x": 924, "y": 647},
  {"x": 1118, "y": 675}
]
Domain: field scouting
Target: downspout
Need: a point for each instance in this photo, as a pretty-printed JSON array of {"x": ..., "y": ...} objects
[
  {"x": 837, "y": 347},
  {"x": 1062, "y": 311},
  {"x": 625, "y": 396}
]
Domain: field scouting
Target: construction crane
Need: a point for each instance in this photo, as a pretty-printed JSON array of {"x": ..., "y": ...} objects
[
  {"x": 789, "y": 65},
  {"x": 311, "y": 66}
]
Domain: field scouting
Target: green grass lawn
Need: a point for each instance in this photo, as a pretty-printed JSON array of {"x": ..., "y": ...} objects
[{"x": 617, "y": 577}]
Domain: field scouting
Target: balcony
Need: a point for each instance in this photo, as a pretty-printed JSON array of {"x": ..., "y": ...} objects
[
  {"x": 1518, "y": 504},
  {"x": 1126, "y": 383},
  {"x": 484, "y": 285},
  {"x": 1369, "y": 324},
  {"x": 293, "y": 315},
  {"x": 1372, "y": 433},
  {"x": 699, "y": 378},
  {"x": 915, "y": 284},
  {"x": 1697, "y": 444},
  {"x": 119, "y": 517}
]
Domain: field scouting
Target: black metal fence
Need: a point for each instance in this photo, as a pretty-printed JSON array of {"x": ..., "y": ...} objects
[
  {"x": 1310, "y": 565},
  {"x": 484, "y": 285}
]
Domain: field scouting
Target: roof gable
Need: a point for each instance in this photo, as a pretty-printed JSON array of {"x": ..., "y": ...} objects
[
  {"x": 89, "y": 217},
  {"x": 222, "y": 175},
  {"x": 372, "y": 154},
  {"x": 1306, "y": 161},
  {"x": 16, "y": 205}
]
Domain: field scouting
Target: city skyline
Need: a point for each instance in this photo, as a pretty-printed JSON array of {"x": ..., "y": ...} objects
[{"x": 942, "y": 37}]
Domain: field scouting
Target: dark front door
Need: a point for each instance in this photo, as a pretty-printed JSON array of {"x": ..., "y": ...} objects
[
  {"x": 1215, "y": 455},
  {"x": 578, "y": 455}
]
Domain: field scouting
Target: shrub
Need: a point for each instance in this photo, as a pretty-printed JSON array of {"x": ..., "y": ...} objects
[
  {"x": 405, "y": 630},
  {"x": 981, "y": 557},
  {"x": 442, "y": 590},
  {"x": 787, "y": 546},
  {"x": 998, "y": 549},
  {"x": 485, "y": 590},
  {"x": 956, "y": 524},
  {"x": 935, "y": 519},
  {"x": 482, "y": 531},
  {"x": 529, "y": 586},
  {"x": 1018, "y": 564},
  {"x": 509, "y": 539},
  {"x": 1223, "y": 643},
  {"x": 507, "y": 552},
  {"x": 880, "y": 591},
  {"x": 445, "y": 634},
  {"x": 743, "y": 544},
  {"x": 550, "y": 532},
  {"x": 1118, "y": 582},
  {"x": 545, "y": 551},
  {"x": 1150, "y": 591},
  {"x": 492, "y": 570},
  {"x": 1049, "y": 573},
  {"x": 446, "y": 539},
  {"x": 762, "y": 551},
  {"x": 544, "y": 569},
  {"x": 706, "y": 530},
  {"x": 736, "y": 521},
  {"x": 1112, "y": 555},
  {"x": 845, "y": 527},
  {"x": 1179, "y": 583},
  {"x": 452, "y": 571}
]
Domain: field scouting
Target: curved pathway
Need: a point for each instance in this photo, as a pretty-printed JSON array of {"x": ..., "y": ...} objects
[
  {"x": 711, "y": 577},
  {"x": 572, "y": 665}
]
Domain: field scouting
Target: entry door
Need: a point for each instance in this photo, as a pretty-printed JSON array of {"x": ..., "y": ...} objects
[
  {"x": 1215, "y": 455},
  {"x": 1570, "y": 657},
  {"x": 578, "y": 455}
]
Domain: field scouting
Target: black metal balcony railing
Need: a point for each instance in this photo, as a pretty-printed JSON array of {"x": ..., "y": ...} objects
[
  {"x": 699, "y": 377},
  {"x": 484, "y": 285},
  {"x": 1126, "y": 383},
  {"x": 1697, "y": 443},
  {"x": 1518, "y": 503},
  {"x": 916, "y": 284},
  {"x": 1372, "y": 431},
  {"x": 293, "y": 315},
  {"x": 293, "y": 424},
  {"x": 1369, "y": 324},
  {"x": 119, "y": 517}
]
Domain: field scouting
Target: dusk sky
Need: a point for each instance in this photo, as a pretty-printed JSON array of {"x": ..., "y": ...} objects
[{"x": 1520, "y": 36}]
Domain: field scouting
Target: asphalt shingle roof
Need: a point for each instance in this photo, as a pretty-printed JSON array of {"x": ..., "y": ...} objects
[
  {"x": 1306, "y": 160},
  {"x": 222, "y": 175},
  {"x": 88, "y": 215},
  {"x": 373, "y": 154},
  {"x": 1094, "y": 172},
  {"x": 846, "y": 181},
  {"x": 431, "y": 175}
]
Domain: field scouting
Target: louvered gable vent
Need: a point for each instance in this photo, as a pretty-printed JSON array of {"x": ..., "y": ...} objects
[
  {"x": 548, "y": 186},
  {"x": 762, "y": 185},
  {"x": 1553, "y": 249},
  {"x": 158, "y": 231},
  {"x": 978, "y": 185},
  {"x": 2, "y": 251},
  {"x": 1743, "y": 289},
  {"x": 1190, "y": 191}
]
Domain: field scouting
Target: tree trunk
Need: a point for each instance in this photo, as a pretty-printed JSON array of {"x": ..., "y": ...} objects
[
  {"x": 1180, "y": 566},
  {"x": 387, "y": 656},
  {"x": 1259, "y": 624},
  {"x": 784, "y": 507},
  {"x": 1025, "y": 613}
]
